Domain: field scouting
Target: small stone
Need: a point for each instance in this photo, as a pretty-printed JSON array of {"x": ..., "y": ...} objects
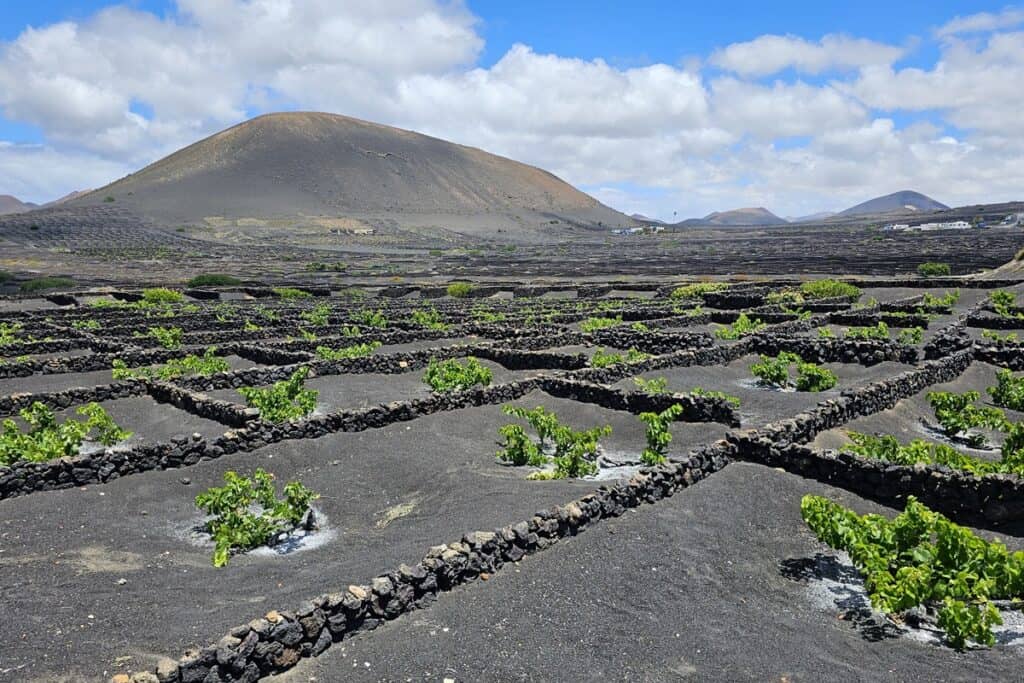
[
  {"x": 484, "y": 576},
  {"x": 121, "y": 678},
  {"x": 121, "y": 582},
  {"x": 273, "y": 616},
  {"x": 144, "y": 677},
  {"x": 358, "y": 591},
  {"x": 185, "y": 480}
]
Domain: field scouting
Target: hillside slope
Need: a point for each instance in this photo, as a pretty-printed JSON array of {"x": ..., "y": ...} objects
[
  {"x": 9, "y": 205},
  {"x": 293, "y": 168},
  {"x": 897, "y": 201}
]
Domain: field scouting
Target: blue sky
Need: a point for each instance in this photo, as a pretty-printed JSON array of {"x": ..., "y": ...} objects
[{"x": 730, "y": 125}]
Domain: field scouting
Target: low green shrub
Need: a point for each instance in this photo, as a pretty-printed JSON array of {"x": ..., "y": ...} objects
[
  {"x": 319, "y": 315},
  {"x": 814, "y": 378},
  {"x": 947, "y": 300},
  {"x": 922, "y": 558},
  {"x": 451, "y": 375},
  {"x": 189, "y": 366},
  {"x": 46, "y": 440},
  {"x": 958, "y": 415},
  {"x": 697, "y": 289},
  {"x": 604, "y": 359},
  {"x": 655, "y": 385},
  {"x": 933, "y": 269},
  {"x": 734, "y": 401},
  {"x": 829, "y": 289},
  {"x": 1008, "y": 391},
  {"x": 774, "y": 372},
  {"x": 284, "y": 400},
  {"x": 594, "y": 324},
  {"x": 879, "y": 331},
  {"x": 657, "y": 434},
  {"x": 162, "y": 295},
  {"x": 354, "y": 351},
  {"x": 910, "y": 336},
  {"x": 167, "y": 337},
  {"x": 291, "y": 293},
  {"x": 38, "y": 284},
  {"x": 995, "y": 336},
  {"x": 1002, "y": 301},
  {"x": 743, "y": 326},
  {"x": 247, "y": 512},
  {"x": 372, "y": 318},
  {"x": 460, "y": 290},
  {"x": 429, "y": 318}
]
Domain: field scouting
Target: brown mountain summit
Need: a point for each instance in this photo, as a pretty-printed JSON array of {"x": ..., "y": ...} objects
[{"x": 288, "y": 168}]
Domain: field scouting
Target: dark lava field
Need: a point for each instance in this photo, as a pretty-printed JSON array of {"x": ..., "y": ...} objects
[{"x": 432, "y": 559}]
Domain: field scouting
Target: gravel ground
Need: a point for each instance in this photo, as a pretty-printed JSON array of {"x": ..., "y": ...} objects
[
  {"x": 906, "y": 421},
  {"x": 692, "y": 588},
  {"x": 388, "y": 494},
  {"x": 759, "y": 405}
]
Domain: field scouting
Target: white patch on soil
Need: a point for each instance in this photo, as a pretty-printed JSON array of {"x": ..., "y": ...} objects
[
  {"x": 833, "y": 583},
  {"x": 192, "y": 532},
  {"x": 758, "y": 385}
]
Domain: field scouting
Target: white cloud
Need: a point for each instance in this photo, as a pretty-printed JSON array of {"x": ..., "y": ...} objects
[
  {"x": 771, "y": 54},
  {"x": 125, "y": 87},
  {"x": 981, "y": 22}
]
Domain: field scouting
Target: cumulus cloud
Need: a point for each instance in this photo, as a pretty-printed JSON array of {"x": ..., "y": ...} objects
[
  {"x": 771, "y": 54},
  {"x": 125, "y": 87},
  {"x": 983, "y": 21}
]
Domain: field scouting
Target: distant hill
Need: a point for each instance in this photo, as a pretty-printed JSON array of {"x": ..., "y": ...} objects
[
  {"x": 644, "y": 219},
  {"x": 906, "y": 200},
  {"x": 747, "y": 216},
  {"x": 287, "y": 171},
  {"x": 811, "y": 217},
  {"x": 9, "y": 205},
  {"x": 68, "y": 197}
]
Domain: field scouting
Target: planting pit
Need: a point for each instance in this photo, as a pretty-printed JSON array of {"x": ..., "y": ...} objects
[
  {"x": 914, "y": 418},
  {"x": 758, "y": 404},
  {"x": 699, "y": 584}
]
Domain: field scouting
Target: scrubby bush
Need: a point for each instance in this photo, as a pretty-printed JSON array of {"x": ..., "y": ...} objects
[
  {"x": 1009, "y": 390},
  {"x": 167, "y": 337},
  {"x": 1002, "y": 301},
  {"x": 45, "y": 439},
  {"x": 604, "y": 359},
  {"x": 573, "y": 452},
  {"x": 911, "y": 336},
  {"x": 921, "y": 557},
  {"x": 774, "y": 372},
  {"x": 879, "y": 331},
  {"x": 161, "y": 295},
  {"x": 740, "y": 328},
  {"x": 460, "y": 290},
  {"x": 829, "y": 289},
  {"x": 814, "y": 378},
  {"x": 697, "y": 289},
  {"x": 998, "y": 338},
  {"x": 958, "y": 415},
  {"x": 189, "y": 366},
  {"x": 597, "y": 323},
  {"x": 734, "y": 401},
  {"x": 657, "y": 434},
  {"x": 451, "y": 375},
  {"x": 291, "y": 293},
  {"x": 354, "y": 351},
  {"x": 372, "y": 318},
  {"x": 429, "y": 318},
  {"x": 284, "y": 400},
  {"x": 213, "y": 280},
  {"x": 654, "y": 386},
  {"x": 319, "y": 315},
  {"x": 38, "y": 284},
  {"x": 947, "y": 300},
  {"x": 933, "y": 269},
  {"x": 247, "y": 512}
]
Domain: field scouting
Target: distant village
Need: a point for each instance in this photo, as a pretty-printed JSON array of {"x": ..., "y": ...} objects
[{"x": 1011, "y": 221}]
